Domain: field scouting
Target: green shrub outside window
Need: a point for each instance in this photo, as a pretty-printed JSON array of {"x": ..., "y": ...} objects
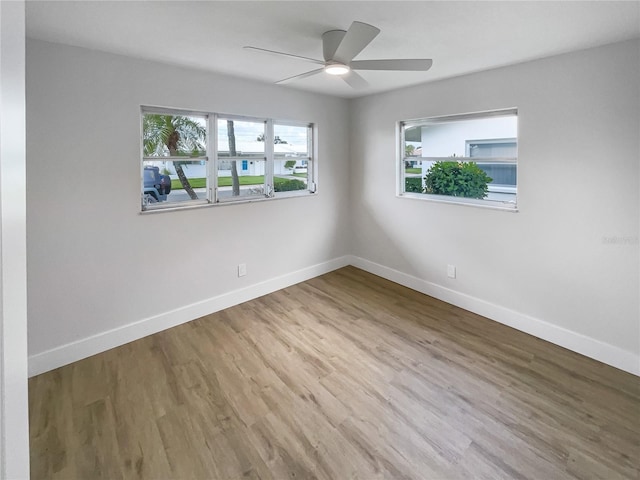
[{"x": 457, "y": 179}]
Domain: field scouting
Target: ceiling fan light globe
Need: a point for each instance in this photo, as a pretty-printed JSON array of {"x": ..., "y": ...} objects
[{"x": 336, "y": 69}]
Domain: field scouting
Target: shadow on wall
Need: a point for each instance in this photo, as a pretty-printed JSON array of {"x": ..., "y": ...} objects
[{"x": 383, "y": 248}]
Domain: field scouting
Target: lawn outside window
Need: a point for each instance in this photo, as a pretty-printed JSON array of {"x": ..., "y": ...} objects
[
  {"x": 466, "y": 159},
  {"x": 204, "y": 158}
]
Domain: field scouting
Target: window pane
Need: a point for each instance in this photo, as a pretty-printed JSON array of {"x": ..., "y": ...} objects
[
  {"x": 166, "y": 182},
  {"x": 466, "y": 156},
  {"x": 174, "y": 135},
  {"x": 290, "y": 175},
  {"x": 455, "y": 139},
  {"x": 413, "y": 142},
  {"x": 291, "y": 141},
  {"x": 240, "y": 178},
  {"x": 241, "y": 138}
]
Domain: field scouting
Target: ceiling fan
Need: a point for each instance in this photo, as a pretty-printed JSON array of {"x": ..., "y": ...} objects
[{"x": 339, "y": 48}]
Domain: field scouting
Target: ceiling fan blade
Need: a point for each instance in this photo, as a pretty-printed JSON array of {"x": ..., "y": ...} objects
[
  {"x": 273, "y": 52},
  {"x": 355, "y": 81},
  {"x": 357, "y": 37},
  {"x": 415, "y": 64},
  {"x": 302, "y": 75},
  {"x": 330, "y": 42}
]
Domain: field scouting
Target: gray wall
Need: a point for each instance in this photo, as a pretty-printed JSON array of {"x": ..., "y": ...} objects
[
  {"x": 570, "y": 256},
  {"x": 95, "y": 263}
]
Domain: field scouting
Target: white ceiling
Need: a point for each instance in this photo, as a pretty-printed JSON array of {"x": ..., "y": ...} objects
[{"x": 460, "y": 37}]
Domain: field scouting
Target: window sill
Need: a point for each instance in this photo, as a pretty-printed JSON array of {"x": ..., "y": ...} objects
[
  {"x": 193, "y": 206},
  {"x": 469, "y": 202}
]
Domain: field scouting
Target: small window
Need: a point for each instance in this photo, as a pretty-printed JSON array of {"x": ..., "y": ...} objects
[
  {"x": 470, "y": 158},
  {"x": 241, "y": 163},
  {"x": 174, "y": 160},
  {"x": 293, "y": 165},
  {"x": 251, "y": 158}
]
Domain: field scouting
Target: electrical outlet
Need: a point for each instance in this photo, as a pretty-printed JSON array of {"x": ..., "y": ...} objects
[
  {"x": 242, "y": 269},
  {"x": 451, "y": 271}
]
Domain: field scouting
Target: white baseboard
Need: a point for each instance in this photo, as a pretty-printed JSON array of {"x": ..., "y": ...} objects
[
  {"x": 86, "y": 347},
  {"x": 577, "y": 342}
]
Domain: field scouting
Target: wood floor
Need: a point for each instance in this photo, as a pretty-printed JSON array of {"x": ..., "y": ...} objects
[{"x": 343, "y": 376}]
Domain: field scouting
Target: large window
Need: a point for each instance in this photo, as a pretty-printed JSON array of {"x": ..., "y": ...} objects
[
  {"x": 470, "y": 158},
  {"x": 207, "y": 158}
]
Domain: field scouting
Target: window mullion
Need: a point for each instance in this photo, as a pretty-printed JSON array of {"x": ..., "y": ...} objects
[
  {"x": 400, "y": 185},
  {"x": 212, "y": 152},
  {"x": 312, "y": 173},
  {"x": 269, "y": 160}
]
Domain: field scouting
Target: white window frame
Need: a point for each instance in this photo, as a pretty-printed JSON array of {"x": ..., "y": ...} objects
[
  {"x": 267, "y": 158},
  {"x": 170, "y": 111},
  {"x": 310, "y": 159},
  {"x": 212, "y": 161},
  {"x": 401, "y": 158}
]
